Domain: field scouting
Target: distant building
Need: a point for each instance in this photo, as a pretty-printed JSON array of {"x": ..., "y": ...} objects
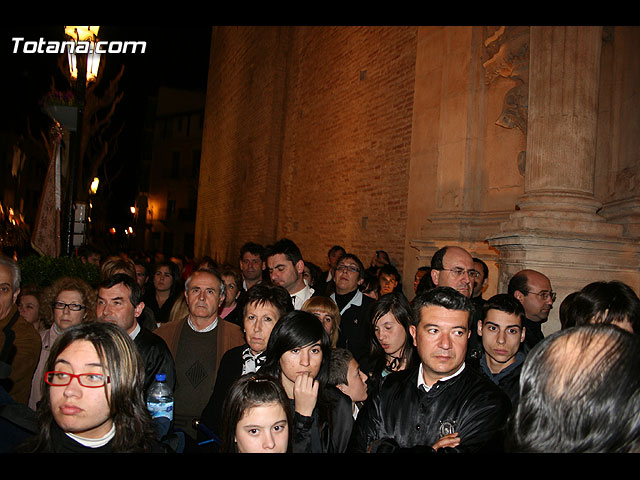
[{"x": 168, "y": 185}]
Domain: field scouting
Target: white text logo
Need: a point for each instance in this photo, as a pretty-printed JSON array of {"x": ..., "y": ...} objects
[{"x": 51, "y": 46}]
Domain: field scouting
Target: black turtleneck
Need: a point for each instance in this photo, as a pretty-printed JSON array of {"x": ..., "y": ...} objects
[{"x": 342, "y": 300}]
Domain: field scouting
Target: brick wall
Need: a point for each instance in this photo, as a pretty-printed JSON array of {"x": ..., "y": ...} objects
[{"x": 307, "y": 135}]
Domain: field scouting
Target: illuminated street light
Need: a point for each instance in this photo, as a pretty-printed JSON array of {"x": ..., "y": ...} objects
[
  {"x": 84, "y": 34},
  {"x": 83, "y": 65}
]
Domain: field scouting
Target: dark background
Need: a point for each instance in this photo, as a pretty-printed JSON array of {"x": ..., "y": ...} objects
[{"x": 175, "y": 57}]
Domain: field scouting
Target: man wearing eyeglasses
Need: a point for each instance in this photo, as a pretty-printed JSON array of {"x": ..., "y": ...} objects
[
  {"x": 354, "y": 306},
  {"x": 533, "y": 290},
  {"x": 453, "y": 267}
]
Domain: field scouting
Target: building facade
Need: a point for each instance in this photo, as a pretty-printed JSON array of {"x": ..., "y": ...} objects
[{"x": 518, "y": 143}]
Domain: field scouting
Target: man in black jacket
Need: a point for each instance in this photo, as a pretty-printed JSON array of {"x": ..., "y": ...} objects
[
  {"x": 439, "y": 405},
  {"x": 502, "y": 332},
  {"x": 119, "y": 302}
]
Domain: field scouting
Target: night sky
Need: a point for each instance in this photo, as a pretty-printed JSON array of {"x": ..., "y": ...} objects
[{"x": 176, "y": 57}]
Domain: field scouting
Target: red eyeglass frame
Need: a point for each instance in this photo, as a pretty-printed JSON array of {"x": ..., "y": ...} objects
[{"x": 72, "y": 376}]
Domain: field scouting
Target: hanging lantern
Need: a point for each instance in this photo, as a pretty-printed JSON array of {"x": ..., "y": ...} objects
[{"x": 89, "y": 35}]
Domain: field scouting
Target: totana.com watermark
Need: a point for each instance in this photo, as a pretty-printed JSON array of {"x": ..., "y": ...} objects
[{"x": 20, "y": 45}]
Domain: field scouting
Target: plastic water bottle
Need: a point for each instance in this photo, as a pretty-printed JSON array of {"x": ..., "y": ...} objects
[{"x": 160, "y": 399}]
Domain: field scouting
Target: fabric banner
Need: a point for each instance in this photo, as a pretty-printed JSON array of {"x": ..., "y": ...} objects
[{"x": 46, "y": 232}]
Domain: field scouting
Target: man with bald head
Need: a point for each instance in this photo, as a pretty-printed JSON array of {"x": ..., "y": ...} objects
[
  {"x": 580, "y": 394},
  {"x": 533, "y": 290}
]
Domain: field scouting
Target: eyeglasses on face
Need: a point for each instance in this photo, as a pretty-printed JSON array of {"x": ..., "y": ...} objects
[
  {"x": 544, "y": 295},
  {"x": 458, "y": 272},
  {"x": 347, "y": 268},
  {"x": 74, "y": 307},
  {"x": 89, "y": 380}
]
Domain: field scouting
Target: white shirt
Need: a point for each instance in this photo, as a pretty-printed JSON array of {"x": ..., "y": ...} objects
[
  {"x": 302, "y": 296},
  {"x": 208, "y": 328},
  {"x": 94, "y": 442},
  {"x": 135, "y": 331},
  {"x": 427, "y": 387}
]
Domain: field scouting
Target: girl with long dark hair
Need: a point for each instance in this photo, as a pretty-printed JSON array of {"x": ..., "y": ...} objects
[
  {"x": 392, "y": 347},
  {"x": 298, "y": 355}
]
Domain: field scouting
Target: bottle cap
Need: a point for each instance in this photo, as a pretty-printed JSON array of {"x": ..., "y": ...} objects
[{"x": 161, "y": 377}]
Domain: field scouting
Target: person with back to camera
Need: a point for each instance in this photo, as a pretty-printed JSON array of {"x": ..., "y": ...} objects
[
  {"x": 579, "y": 393},
  {"x": 611, "y": 302},
  {"x": 257, "y": 416},
  {"x": 298, "y": 354},
  {"x": 392, "y": 347},
  {"x": 92, "y": 395}
]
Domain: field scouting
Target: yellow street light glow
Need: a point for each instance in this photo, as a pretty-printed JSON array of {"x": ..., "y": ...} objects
[{"x": 84, "y": 34}]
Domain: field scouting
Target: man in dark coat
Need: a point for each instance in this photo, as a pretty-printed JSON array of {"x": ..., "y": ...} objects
[
  {"x": 440, "y": 405},
  {"x": 533, "y": 290},
  {"x": 119, "y": 302},
  {"x": 502, "y": 332}
]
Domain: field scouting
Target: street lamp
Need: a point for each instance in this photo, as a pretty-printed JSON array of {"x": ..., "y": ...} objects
[
  {"x": 94, "y": 185},
  {"x": 81, "y": 65},
  {"x": 84, "y": 34}
]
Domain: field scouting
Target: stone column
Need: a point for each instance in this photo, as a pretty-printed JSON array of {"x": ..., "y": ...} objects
[
  {"x": 561, "y": 140},
  {"x": 556, "y": 228}
]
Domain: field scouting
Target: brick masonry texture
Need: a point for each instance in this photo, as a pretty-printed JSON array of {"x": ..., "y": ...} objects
[{"x": 307, "y": 135}]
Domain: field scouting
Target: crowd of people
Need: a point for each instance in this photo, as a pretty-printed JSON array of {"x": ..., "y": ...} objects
[{"x": 276, "y": 354}]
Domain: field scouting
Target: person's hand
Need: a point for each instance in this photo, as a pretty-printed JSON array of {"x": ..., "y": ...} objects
[
  {"x": 452, "y": 440},
  {"x": 305, "y": 394}
]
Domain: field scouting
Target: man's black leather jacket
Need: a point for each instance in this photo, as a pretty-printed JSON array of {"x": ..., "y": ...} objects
[{"x": 403, "y": 417}]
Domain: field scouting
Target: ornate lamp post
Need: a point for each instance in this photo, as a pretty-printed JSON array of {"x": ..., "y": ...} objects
[{"x": 84, "y": 68}]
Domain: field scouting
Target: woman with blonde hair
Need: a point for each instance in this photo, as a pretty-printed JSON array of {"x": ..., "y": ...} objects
[
  {"x": 67, "y": 302},
  {"x": 327, "y": 311}
]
